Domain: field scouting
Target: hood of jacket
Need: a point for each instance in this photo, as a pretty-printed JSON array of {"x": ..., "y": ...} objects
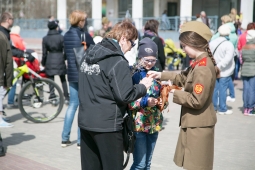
[
  {"x": 105, "y": 49},
  {"x": 232, "y": 27}
]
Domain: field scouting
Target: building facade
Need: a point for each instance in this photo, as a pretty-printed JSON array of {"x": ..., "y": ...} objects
[{"x": 38, "y": 9}]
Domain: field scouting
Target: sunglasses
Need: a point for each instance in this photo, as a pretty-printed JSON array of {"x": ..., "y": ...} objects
[{"x": 132, "y": 43}]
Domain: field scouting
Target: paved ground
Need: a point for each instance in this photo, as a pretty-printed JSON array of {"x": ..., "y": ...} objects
[
  {"x": 37, "y": 146},
  {"x": 33, "y": 146}
]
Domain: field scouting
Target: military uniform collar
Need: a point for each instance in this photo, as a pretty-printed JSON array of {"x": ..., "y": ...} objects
[{"x": 201, "y": 60}]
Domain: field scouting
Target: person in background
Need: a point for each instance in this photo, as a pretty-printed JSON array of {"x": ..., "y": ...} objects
[
  {"x": 51, "y": 18},
  {"x": 242, "y": 38},
  {"x": 85, "y": 28},
  {"x": 165, "y": 21},
  {"x": 72, "y": 39},
  {"x": 223, "y": 52},
  {"x": 226, "y": 19},
  {"x": 6, "y": 21},
  {"x": 105, "y": 89},
  {"x": 204, "y": 18},
  {"x": 53, "y": 58},
  {"x": 151, "y": 31},
  {"x": 91, "y": 31},
  {"x": 105, "y": 28},
  {"x": 248, "y": 74},
  {"x": 18, "y": 42},
  {"x": 6, "y": 75},
  {"x": 198, "y": 18},
  {"x": 195, "y": 146},
  {"x": 147, "y": 117}
]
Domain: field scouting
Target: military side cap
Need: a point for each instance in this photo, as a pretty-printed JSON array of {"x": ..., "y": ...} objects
[{"x": 198, "y": 27}]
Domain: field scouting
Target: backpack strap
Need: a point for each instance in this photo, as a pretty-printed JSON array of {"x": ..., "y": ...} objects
[{"x": 218, "y": 46}]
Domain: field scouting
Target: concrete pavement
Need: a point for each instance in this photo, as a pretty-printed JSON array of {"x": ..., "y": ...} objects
[{"x": 37, "y": 146}]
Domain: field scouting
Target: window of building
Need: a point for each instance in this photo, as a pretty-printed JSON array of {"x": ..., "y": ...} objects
[{"x": 148, "y": 8}]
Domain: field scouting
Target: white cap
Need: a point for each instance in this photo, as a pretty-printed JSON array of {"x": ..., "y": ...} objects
[
  {"x": 224, "y": 30},
  {"x": 250, "y": 35}
]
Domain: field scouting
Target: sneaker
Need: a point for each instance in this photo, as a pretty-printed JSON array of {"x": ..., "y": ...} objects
[
  {"x": 4, "y": 124},
  {"x": 229, "y": 99},
  {"x": 6, "y": 119},
  {"x": 78, "y": 146},
  {"x": 65, "y": 143},
  {"x": 11, "y": 106},
  {"x": 228, "y": 112},
  {"x": 245, "y": 113},
  {"x": 67, "y": 102},
  {"x": 251, "y": 112}
]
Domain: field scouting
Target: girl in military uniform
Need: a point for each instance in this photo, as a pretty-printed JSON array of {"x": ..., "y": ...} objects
[{"x": 195, "y": 146}]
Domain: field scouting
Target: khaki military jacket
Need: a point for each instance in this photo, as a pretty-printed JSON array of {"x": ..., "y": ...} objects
[
  {"x": 198, "y": 82},
  {"x": 6, "y": 62}
]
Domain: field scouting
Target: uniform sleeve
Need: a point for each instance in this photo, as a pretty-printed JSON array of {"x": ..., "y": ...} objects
[
  {"x": 202, "y": 80},
  {"x": 122, "y": 86},
  {"x": 177, "y": 79}
]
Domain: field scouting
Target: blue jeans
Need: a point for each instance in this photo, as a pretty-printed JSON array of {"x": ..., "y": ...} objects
[
  {"x": 220, "y": 93},
  {"x": 249, "y": 92},
  {"x": 231, "y": 89},
  {"x": 11, "y": 94},
  {"x": 144, "y": 147},
  {"x": 70, "y": 113}
]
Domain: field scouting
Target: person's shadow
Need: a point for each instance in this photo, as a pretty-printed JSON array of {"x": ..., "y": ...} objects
[{"x": 17, "y": 138}]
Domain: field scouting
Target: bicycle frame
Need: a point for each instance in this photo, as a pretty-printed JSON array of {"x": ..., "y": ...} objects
[{"x": 21, "y": 71}]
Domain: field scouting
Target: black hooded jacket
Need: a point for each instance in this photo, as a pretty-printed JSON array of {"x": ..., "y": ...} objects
[{"x": 105, "y": 88}]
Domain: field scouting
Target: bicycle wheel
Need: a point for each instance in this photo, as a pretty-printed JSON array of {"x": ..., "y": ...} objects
[{"x": 41, "y": 101}]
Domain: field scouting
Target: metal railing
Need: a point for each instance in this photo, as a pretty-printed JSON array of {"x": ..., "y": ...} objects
[{"x": 173, "y": 24}]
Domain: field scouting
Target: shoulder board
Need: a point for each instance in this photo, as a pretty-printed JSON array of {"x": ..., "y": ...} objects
[{"x": 202, "y": 62}]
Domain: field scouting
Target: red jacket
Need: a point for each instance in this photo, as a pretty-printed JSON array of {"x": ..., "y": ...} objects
[
  {"x": 241, "y": 41},
  {"x": 17, "y": 41}
]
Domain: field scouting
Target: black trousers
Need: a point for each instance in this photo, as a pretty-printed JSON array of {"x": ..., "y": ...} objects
[
  {"x": 64, "y": 86},
  {"x": 101, "y": 150}
]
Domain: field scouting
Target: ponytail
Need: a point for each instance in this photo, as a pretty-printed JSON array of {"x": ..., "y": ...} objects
[{"x": 217, "y": 70}]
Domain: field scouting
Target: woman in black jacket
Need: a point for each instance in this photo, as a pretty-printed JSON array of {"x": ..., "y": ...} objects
[
  {"x": 53, "y": 57},
  {"x": 151, "y": 31},
  {"x": 105, "y": 89}
]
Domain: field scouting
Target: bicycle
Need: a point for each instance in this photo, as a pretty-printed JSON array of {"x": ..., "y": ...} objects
[{"x": 34, "y": 99}]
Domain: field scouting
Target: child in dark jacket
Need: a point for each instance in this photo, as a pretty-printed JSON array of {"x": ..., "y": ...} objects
[{"x": 147, "y": 117}]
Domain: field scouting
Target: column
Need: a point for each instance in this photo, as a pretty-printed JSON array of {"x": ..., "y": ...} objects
[
  {"x": 157, "y": 8},
  {"x": 61, "y": 13},
  {"x": 97, "y": 14},
  {"x": 137, "y": 13},
  {"x": 247, "y": 10},
  {"x": 185, "y": 10}
]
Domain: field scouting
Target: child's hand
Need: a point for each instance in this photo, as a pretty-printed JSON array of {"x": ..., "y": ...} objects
[{"x": 152, "y": 101}]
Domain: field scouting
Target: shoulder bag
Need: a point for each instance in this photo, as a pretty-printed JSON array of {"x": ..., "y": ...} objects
[{"x": 80, "y": 52}]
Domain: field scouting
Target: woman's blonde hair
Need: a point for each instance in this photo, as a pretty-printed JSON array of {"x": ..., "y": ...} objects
[
  {"x": 226, "y": 19},
  {"x": 76, "y": 16},
  {"x": 124, "y": 28},
  {"x": 15, "y": 29}
]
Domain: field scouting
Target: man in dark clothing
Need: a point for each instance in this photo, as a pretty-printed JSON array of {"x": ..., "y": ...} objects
[
  {"x": 6, "y": 65},
  {"x": 6, "y": 22}
]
